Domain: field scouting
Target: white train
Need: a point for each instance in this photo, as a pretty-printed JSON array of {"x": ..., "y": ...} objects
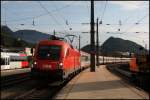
[
  {"x": 105, "y": 59},
  {"x": 113, "y": 59},
  {"x": 11, "y": 60}
]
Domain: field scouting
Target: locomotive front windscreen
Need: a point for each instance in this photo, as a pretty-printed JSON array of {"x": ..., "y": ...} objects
[{"x": 51, "y": 52}]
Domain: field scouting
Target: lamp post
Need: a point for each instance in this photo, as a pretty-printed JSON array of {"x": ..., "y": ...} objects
[
  {"x": 97, "y": 46},
  {"x": 92, "y": 47},
  {"x": 79, "y": 42}
]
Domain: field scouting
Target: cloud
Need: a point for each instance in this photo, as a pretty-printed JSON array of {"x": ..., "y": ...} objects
[{"x": 130, "y": 5}]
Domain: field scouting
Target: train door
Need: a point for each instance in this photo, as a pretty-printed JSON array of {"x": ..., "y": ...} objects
[{"x": 5, "y": 63}]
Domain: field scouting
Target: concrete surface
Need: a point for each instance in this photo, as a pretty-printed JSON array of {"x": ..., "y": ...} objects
[
  {"x": 14, "y": 71},
  {"x": 101, "y": 84}
]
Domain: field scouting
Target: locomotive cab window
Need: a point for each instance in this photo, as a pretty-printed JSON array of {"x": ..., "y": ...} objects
[
  {"x": 51, "y": 52},
  {"x": 67, "y": 53}
]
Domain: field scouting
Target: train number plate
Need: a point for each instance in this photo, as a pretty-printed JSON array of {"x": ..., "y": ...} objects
[{"x": 47, "y": 66}]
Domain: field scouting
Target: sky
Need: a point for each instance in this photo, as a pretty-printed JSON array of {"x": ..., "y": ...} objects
[{"x": 131, "y": 17}]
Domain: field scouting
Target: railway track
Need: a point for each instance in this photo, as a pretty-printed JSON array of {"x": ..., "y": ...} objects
[
  {"x": 41, "y": 92},
  {"x": 32, "y": 89},
  {"x": 128, "y": 77},
  {"x": 37, "y": 90},
  {"x": 11, "y": 80},
  {"x": 45, "y": 91}
]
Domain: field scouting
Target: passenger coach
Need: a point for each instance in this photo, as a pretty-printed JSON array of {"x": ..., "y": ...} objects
[{"x": 11, "y": 60}]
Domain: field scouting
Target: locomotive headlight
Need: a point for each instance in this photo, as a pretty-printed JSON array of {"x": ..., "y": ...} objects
[
  {"x": 60, "y": 65},
  {"x": 35, "y": 63}
]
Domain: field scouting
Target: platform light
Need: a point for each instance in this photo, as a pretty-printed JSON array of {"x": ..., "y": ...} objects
[{"x": 35, "y": 63}]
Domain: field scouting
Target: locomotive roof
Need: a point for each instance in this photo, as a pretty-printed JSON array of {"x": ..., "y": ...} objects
[{"x": 55, "y": 42}]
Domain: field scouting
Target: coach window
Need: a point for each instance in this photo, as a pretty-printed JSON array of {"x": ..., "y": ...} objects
[
  {"x": 2, "y": 61},
  {"x": 17, "y": 58},
  {"x": 8, "y": 60}
]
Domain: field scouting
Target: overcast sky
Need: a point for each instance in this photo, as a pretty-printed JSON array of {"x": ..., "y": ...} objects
[{"x": 131, "y": 17}]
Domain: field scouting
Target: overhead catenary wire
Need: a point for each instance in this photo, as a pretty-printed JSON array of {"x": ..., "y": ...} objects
[
  {"x": 124, "y": 22},
  {"x": 87, "y": 6},
  {"x": 104, "y": 11},
  {"x": 133, "y": 24},
  {"x": 38, "y": 16},
  {"x": 136, "y": 22},
  {"x": 50, "y": 14},
  {"x": 42, "y": 6},
  {"x": 5, "y": 18},
  {"x": 64, "y": 19},
  {"x": 61, "y": 15}
]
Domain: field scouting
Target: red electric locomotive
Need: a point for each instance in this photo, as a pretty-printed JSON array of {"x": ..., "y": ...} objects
[{"x": 55, "y": 59}]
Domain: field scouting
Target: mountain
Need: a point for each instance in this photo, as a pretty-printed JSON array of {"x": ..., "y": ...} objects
[
  {"x": 117, "y": 45},
  {"x": 6, "y": 30},
  {"x": 31, "y": 36},
  {"x": 120, "y": 45},
  {"x": 7, "y": 40},
  {"x": 86, "y": 48}
]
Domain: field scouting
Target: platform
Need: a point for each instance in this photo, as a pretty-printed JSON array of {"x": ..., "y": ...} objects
[
  {"x": 14, "y": 71},
  {"x": 101, "y": 84}
]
